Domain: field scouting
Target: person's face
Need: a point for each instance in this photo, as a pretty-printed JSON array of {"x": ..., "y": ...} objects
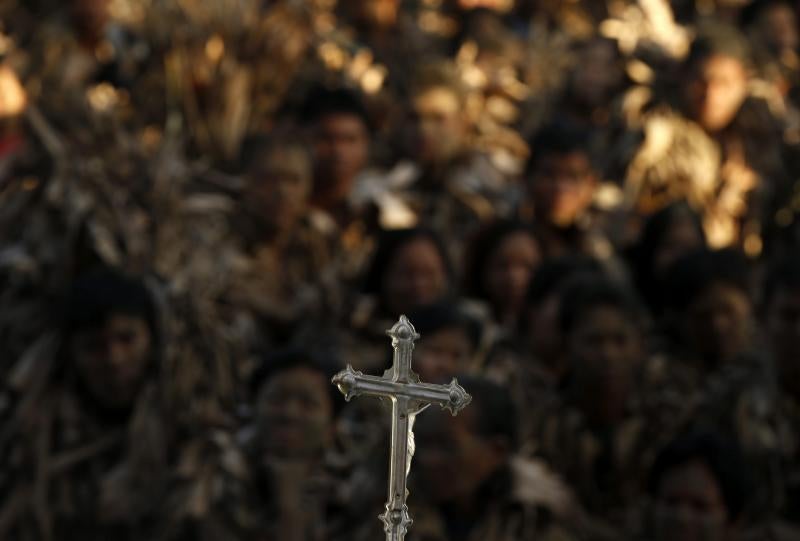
[
  {"x": 13, "y": 99},
  {"x": 454, "y": 460},
  {"x": 90, "y": 15},
  {"x": 440, "y": 126},
  {"x": 439, "y": 356},
  {"x": 597, "y": 74},
  {"x": 562, "y": 187},
  {"x": 112, "y": 360},
  {"x": 544, "y": 335},
  {"x": 278, "y": 189},
  {"x": 416, "y": 276},
  {"x": 377, "y": 13},
  {"x": 605, "y": 349},
  {"x": 680, "y": 238},
  {"x": 690, "y": 506},
  {"x": 779, "y": 26},
  {"x": 509, "y": 271},
  {"x": 295, "y": 414},
  {"x": 341, "y": 149},
  {"x": 716, "y": 91},
  {"x": 783, "y": 331},
  {"x": 718, "y": 326}
]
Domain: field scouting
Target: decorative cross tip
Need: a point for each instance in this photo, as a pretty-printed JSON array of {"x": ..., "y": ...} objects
[
  {"x": 459, "y": 398},
  {"x": 396, "y": 520},
  {"x": 346, "y": 382},
  {"x": 403, "y": 330}
]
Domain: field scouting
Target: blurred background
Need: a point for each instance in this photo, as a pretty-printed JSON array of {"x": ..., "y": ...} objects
[{"x": 589, "y": 210}]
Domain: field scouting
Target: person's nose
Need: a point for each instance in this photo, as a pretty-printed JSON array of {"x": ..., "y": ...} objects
[
  {"x": 293, "y": 407},
  {"x": 116, "y": 352},
  {"x": 720, "y": 322},
  {"x": 517, "y": 276}
]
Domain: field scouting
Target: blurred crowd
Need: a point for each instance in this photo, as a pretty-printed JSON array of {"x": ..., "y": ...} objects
[{"x": 589, "y": 210}]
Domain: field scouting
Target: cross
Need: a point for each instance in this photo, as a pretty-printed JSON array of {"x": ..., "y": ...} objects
[{"x": 409, "y": 397}]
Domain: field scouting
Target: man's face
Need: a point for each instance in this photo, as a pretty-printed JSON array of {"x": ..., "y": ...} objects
[
  {"x": 90, "y": 15},
  {"x": 718, "y": 324},
  {"x": 562, "y": 187},
  {"x": 454, "y": 460},
  {"x": 778, "y": 25},
  {"x": 417, "y": 276},
  {"x": 783, "y": 330},
  {"x": 690, "y": 506},
  {"x": 279, "y": 185},
  {"x": 341, "y": 150},
  {"x": 605, "y": 349},
  {"x": 294, "y": 414},
  {"x": 111, "y": 360},
  {"x": 715, "y": 93},
  {"x": 376, "y": 13},
  {"x": 440, "y": 127},
  {"x": 510, "y": 269},
  {"x": 442, "y": 354}
]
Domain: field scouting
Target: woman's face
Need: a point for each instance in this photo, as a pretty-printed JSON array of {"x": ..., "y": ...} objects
[
  {"x": 295, "y": 414},
  {"x": 509, "y": 271},
  {"x": 417, "y": 275}
]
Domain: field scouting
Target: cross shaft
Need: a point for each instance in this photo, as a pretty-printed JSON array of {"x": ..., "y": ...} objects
[{"x": 409, "y": 397}]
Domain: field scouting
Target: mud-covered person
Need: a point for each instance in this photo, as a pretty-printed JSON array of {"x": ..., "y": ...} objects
[
  {"x": 469, "y": 483},
  {"x": 284, "y": 275},
  {"x": 92, "y": 441}
]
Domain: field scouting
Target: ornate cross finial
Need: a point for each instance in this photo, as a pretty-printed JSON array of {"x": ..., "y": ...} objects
[{"x": 409, "y": 397}]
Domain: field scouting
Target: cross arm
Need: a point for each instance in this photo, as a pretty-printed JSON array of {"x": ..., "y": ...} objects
[{"x": 353, "y": 383}]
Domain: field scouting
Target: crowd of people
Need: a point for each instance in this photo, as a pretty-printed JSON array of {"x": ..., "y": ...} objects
[{"x": 588, "y": 209}]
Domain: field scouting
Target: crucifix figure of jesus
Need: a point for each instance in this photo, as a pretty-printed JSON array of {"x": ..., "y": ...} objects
[{"x": 409, "y": 397}]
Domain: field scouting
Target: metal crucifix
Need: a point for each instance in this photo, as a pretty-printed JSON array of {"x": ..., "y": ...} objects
[{"x": 409, "y": 397}]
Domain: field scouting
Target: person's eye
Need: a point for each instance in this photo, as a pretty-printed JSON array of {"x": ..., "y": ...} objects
[{"x": 126, "y": 337}]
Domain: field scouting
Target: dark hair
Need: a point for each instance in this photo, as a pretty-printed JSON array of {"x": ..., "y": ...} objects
[
  {"x": 753, "y": 11},
  {"x": 445, "y": 315},
  {"x": 784, "y": 273},
  {"x": 692, "y": 275},
  {"x": 256, "y": 146},
  {"x": 389, "y": 243},
  {"x": 721, "y": 455},
  {"x": 719, "y": 39},
  {"x": 438, "y": 74},
  {"x": 483, "y": 247},
  {"x": 321, "y": 102},
  {"x": 288, "y": 359},
  {"x": 558, "y": 138},
  {"x": 494, "y": 410},
  {"x": 643, "y": 254},
  {"x": 553, "y": 273},
  {"x": 103, "y": 292},
  {"x": 586, "y": 292},
  {"x": 550, "y": 278}
]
